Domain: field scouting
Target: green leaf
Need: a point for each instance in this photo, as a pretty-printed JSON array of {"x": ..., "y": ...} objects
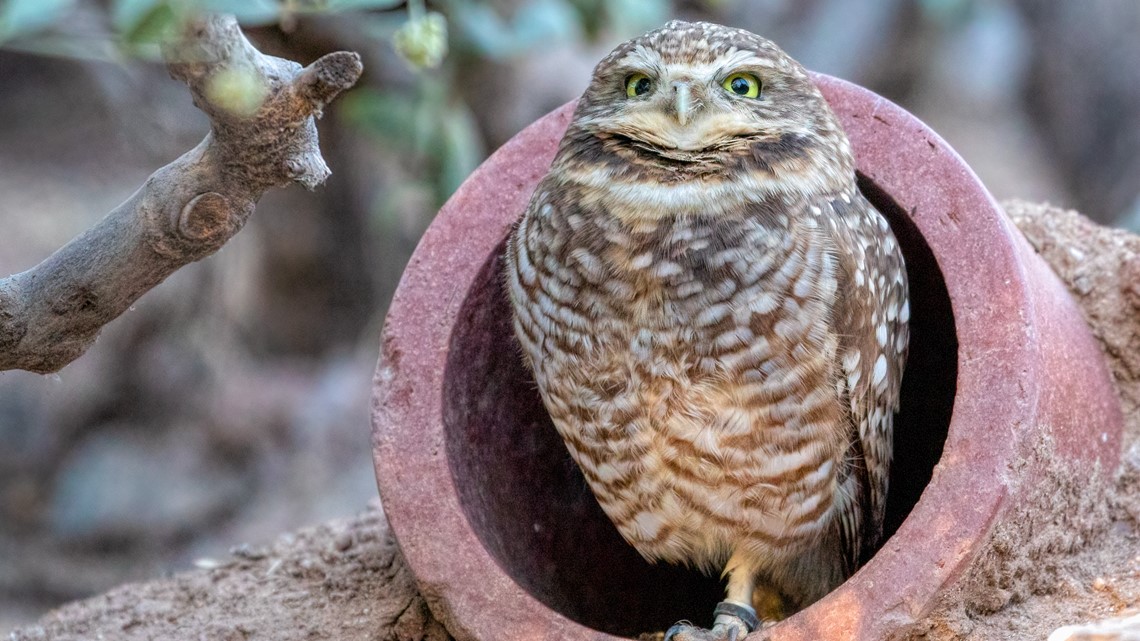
[
  {"x": 426, "y": 138},
  {"x": 361, "y": 5},
  {"x": 126, "y": 14},
  {"x": 543, "y": 22},
  {"x": 68, "y": 46},
  {"x": 248, "y": 12},
  {"x": 630, "y": 18},
  {"x": 538, "y": 23},
  {"x": 20, "y": 17},
  {"x": 152, "y": 26},
  {"x": 382, "y": 26},
  {"x": 338, "y": 6},
  {"x": 388, "y": 116},
  {"x": 461, "y": 150},
  {"x": 483, "y": 29},
  {"x": 591, "y": 15}
]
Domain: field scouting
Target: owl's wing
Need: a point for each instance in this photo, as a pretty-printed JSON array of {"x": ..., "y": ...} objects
[{"x": 871, "y": 321}]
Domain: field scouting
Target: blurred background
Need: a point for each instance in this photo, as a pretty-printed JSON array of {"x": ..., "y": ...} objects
[{"x": 231, "y": 403}]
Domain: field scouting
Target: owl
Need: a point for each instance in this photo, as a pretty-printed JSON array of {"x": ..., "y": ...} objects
[{"x": 716, "y": 318}]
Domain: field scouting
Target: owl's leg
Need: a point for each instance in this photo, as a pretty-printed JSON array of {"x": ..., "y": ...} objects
[{"x": 734, "y": 617}]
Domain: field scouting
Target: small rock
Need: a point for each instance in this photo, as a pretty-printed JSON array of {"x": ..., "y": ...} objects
[
  {"x": 208, "y": 564},
  {"x": 247, "y": 552},
  {"x": 1123, "y": 629},
  {"x": 343, "y": 541}
]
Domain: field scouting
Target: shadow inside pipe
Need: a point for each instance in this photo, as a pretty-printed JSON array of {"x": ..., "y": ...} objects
[
  {"x": 532, "y": 509},
  {"x": 931, "y": 376}
]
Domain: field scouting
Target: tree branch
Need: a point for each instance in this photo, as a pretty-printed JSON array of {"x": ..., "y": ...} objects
[{"x": 51, "y": 314}]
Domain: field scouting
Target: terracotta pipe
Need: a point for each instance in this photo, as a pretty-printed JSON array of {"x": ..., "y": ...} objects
[{"x": 505, "y": 538}]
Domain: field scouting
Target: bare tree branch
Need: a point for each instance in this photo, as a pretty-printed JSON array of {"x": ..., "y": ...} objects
[{"x": 51, "y": 314}]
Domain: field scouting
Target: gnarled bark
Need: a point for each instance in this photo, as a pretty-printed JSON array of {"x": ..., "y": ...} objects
[{"x": 51, "y": 314}]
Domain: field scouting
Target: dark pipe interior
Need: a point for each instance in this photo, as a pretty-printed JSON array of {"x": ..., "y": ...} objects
[
  {"x": 931, "y": 376},
  {"x": 533, "y": 510}
]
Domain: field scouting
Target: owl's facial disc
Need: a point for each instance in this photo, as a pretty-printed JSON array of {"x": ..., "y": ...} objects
[
  {"x": 702, "y": 113},
  {"x": 684, "y": 114},
  {"x": 686, "y": 107}
]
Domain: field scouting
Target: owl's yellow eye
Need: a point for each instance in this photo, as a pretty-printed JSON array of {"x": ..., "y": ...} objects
[
  {"x": 745, "y": 85},
  {"x": 638, "y": 84}
]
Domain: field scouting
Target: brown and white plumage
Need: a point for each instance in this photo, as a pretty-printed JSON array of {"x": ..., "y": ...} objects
[{"x": 715, "y": 316}]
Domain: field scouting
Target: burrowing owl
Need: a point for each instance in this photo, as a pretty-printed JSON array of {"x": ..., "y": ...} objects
[{"x": 716, "y": 317}]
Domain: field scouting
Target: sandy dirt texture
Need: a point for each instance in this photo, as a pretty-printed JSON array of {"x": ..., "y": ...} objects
[
  {"x": 347, "y": 580},
  {"x": 343, "y": 580},
  {"x": 1074, "y": 556}
]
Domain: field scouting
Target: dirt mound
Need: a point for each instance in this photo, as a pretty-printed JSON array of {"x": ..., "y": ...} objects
[{"x": 343, "y": 580}]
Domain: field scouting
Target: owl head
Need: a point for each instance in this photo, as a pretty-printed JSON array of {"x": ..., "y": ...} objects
[{"x": 699, "y": 105}]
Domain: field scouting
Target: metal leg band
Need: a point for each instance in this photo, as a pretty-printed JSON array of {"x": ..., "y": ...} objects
[{"x": 742, "y": 612}]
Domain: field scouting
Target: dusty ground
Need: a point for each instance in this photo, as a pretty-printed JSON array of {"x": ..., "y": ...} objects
[
  {"x": 1090, "y": 568},
  {"x": 341, "y": 580},
  {"x": 1083, "y": 563},
  {"x": 346, "y": 579}
]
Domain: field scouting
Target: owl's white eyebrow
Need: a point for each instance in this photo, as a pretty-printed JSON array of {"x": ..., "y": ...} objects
[
  {"x": 718, "y": 68},
  {"x": 740, "y": 59},
  {"x": 642, "y": 58}
]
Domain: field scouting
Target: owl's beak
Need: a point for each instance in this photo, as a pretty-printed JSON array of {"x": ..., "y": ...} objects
[{"x": 682, "y": 101}]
